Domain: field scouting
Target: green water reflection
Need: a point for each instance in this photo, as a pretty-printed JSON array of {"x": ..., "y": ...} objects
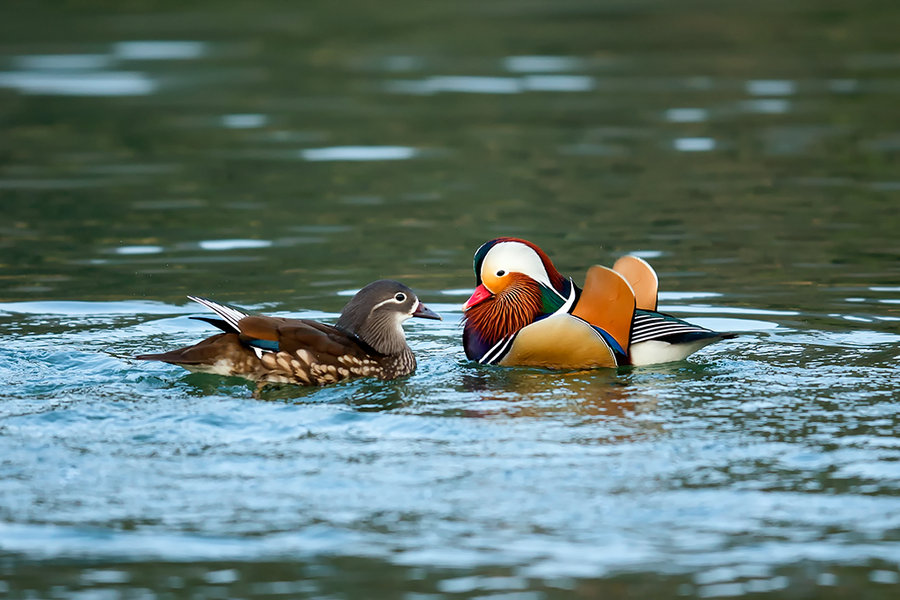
[{"x": 280, "y": 154}]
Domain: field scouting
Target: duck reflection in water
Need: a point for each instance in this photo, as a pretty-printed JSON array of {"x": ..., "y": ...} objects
[{"x": 525, "y": 392}]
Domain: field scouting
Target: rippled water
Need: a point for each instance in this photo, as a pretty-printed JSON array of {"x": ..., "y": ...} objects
[{"x": 283, "y": 157}]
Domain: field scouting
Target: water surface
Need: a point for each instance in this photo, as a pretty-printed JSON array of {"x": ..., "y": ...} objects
[{"x": 280, "y": 158}]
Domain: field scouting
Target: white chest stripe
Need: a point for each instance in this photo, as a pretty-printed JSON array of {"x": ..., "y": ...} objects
[
  {"x": 497, "y": 351},
  {"x": 570, "y": 301}
]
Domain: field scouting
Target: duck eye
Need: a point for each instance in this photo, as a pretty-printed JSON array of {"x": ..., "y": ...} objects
[
  {"x": 501, "y": 273},
  {"x": 400, "y": 297}
]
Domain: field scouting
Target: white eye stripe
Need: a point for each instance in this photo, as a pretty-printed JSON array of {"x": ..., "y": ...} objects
[
  {"x": 393, "y": 300},
  {"x": 383, "y": 302}
]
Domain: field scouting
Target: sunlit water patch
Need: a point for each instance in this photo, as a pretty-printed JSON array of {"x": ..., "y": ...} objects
[
  {"x": 244, "y": 121},
  {"x": 479, "y": 84},
  {"x": 136, "y": 250},
  {"x": 233, "y": 244},
  {"x": 694, "y": 144},
  {"x": 159, "y": 50},
  {"x": 543, "y": 64},
  {"x": 96, "y": 74},
  {"x": 86, "y": 83},
  {"x": 360, "y": 153},
  {"x": 770, "y": 87},
  {"x": 687, "y": 115}
]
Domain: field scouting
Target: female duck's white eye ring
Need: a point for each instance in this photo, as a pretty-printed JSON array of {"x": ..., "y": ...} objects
[{"x": 400, "y": 297}]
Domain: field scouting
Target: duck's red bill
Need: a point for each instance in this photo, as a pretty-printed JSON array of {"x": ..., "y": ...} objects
[{"x": 480, "y": 294}]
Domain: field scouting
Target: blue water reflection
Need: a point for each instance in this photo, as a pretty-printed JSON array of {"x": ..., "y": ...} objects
[
  {"x": 84, "y": 83},
  {"x": 358, "y": 153},
  {"x": 159, "y": 50},
  {"x": 96, "y": 74},
  {"x": 694, "y": 144},
  {"x": 544, "y": 64}
]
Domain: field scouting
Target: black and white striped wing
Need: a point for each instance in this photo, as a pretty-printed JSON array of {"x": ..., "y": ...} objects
[{"x": 653, "y": 326}]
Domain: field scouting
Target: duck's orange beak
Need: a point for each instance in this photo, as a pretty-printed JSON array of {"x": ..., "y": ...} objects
[{"x": 480, "y": 294}]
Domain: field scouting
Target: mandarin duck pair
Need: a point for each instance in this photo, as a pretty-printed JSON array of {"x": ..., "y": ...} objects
[{"x": 523, "y": 313}]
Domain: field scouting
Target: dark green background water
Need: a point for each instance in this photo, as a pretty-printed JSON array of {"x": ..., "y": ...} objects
[{"x": 279, "y": 155}]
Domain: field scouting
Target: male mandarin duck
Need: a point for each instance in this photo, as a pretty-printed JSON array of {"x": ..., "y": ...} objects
[
  {"x": 366, "y": 341},
  {"x": 524, "y": 312}
]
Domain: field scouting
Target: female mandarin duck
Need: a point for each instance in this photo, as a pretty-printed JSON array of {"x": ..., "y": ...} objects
[
  {"x": 367, "y": 341},
  {"x": 524, "y": 312}
]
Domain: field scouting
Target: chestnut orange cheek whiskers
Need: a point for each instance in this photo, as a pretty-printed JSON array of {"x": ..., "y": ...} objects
[{"x": 507, "y": 312}]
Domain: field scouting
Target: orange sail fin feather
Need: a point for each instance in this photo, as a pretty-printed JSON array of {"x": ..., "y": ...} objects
[
  {"x": 642, "y": 279},
  {"x": 607, "y": 301}
]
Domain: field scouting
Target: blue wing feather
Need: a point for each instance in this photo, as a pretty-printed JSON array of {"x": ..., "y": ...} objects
[{"x": 269, "y": 345}]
